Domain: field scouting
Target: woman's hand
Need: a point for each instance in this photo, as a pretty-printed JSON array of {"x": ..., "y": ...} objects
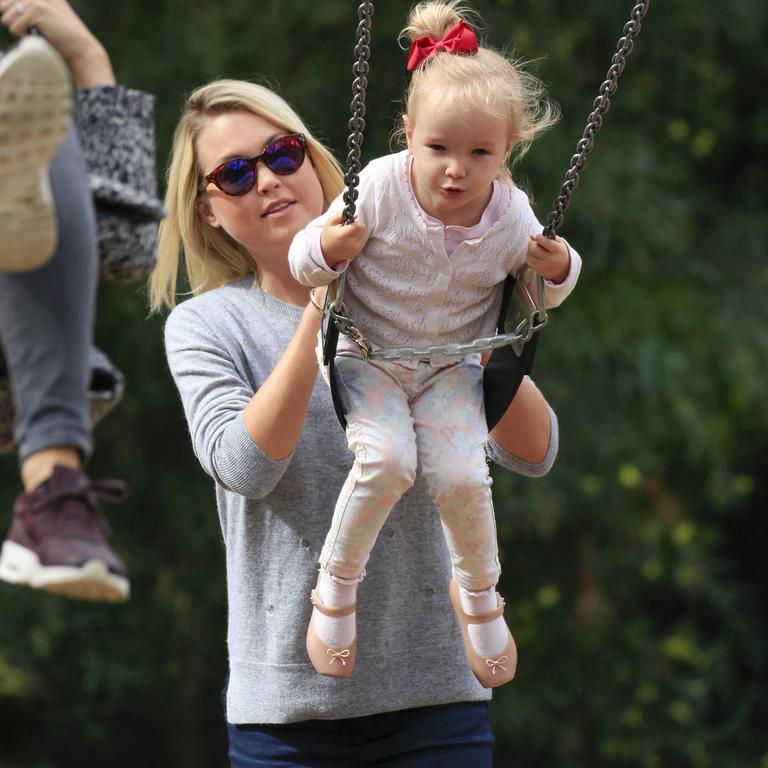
[
  {"x": 549, "y": 258},
  {"x": 65, "y": 31}
]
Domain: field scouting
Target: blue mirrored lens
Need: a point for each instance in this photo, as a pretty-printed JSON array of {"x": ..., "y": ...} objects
[
  {"x": 237, "y": 176},
  {"x": 284, "y": 156}
]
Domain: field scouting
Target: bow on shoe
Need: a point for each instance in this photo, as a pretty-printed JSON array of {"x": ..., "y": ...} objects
[
  {"x": 494, "y": 663},
  {"x": 340, "y": 655},
  {"x": 458, "y": 39}
]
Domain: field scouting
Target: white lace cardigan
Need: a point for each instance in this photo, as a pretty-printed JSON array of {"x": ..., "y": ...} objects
[{"x": 404, "y": 289}]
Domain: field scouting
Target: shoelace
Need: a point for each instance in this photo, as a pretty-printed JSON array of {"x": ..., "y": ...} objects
[{"x": 107, "y": 490}]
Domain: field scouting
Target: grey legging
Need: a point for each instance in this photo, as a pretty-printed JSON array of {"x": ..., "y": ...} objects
[{"x": 46, "y": 321}]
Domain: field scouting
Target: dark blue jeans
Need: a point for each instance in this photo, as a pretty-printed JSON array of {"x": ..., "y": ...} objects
[{"x": 446, "y": 736}]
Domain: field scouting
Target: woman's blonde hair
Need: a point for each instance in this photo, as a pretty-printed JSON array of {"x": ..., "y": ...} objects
[
  {"x": 488, "y": 79},
  {"x": 211, "y": 257}
]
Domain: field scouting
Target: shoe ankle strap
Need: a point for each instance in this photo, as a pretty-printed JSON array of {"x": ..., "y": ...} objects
[
  {"x": 484, "y": 618},
  {"x": 333, "y": 613}
]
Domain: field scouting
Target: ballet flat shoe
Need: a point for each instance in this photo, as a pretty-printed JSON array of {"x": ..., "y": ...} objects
[
  {"x": 334, "y": 662},
  {"x": 490, "y": 673}
]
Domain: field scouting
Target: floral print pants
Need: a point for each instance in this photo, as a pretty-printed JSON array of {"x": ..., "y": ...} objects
[{"x": 404, "y": 417}]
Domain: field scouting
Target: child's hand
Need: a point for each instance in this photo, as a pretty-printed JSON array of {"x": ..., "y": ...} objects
[
  {"x": 342, "y": 242},
  {"x": 549, "y": 258}
]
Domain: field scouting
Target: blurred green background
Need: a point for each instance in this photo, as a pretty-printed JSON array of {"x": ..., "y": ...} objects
[{"x": 636, "y": 572}]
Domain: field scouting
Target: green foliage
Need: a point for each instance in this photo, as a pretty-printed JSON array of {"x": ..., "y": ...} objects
[{"x": 635, "y": 572}]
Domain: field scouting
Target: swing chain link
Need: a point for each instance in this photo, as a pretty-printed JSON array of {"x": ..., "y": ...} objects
[
  {"x": 357, "y": 107},
  {"x": 334, "y": 305},
  {"x": 478, "y": 346},
  {"x": 595, "y": 121}
]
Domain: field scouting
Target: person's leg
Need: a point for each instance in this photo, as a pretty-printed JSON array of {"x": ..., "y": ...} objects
[
  {"x": 46, "y": 323},
  {"x": 46, "y": 326},
  {"x": 451, "y": 435},
  {"x": 380, "y": 434}
]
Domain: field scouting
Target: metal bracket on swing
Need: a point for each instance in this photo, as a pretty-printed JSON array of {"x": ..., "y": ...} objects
[{"x": 525, "y": 315}]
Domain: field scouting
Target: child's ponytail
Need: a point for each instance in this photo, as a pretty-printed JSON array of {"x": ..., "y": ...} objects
[{"x": 434, "y": 19}]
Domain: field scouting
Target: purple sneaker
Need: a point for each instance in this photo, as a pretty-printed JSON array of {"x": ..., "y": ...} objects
[{"x": 57, "y": 540}]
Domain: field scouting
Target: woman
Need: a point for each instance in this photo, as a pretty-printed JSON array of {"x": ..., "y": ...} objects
[{"x": 245, "y": 176}]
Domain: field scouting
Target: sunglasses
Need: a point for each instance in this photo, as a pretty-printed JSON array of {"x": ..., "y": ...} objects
[{"x": 283, "y": 156}]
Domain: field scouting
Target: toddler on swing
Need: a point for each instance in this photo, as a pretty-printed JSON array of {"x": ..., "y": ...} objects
[{"x": 440, "y": 226}]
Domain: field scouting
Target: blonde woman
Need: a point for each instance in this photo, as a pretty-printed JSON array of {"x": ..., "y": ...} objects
[{"x": 245, "y": 176}]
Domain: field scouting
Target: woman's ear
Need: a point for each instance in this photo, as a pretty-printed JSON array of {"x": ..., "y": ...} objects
[{"x": 204, "y": 210}]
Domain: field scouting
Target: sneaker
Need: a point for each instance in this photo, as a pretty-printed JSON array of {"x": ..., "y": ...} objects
[
  {"x": 35, "y": 115},
  {"x": 57, "y": 540}
]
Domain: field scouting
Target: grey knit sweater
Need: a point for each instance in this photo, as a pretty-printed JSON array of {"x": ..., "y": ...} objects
[{"x": 274, "y": 516}]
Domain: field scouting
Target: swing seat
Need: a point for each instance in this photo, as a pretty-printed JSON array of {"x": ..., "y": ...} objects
[{"x": 504, "y": 371}]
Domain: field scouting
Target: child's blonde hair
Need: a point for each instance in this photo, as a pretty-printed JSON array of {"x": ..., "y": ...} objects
[
  {"x": 487, "y": 79},
  {"x": 211, "y": 256}
]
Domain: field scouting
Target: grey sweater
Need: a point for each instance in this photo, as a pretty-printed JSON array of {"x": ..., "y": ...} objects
[{"x": 274, "y": 515}]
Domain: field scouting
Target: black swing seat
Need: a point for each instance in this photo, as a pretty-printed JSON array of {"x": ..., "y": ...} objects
[{"x": 504, "y": 372}]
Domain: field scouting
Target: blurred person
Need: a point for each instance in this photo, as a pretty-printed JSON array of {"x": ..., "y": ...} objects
[
  {"x": 57, "y": 161},
  {"x": 262, "y": 424}
]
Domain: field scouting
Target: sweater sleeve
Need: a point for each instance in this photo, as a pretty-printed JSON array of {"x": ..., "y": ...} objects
[
  {"x": 214, "y": 393},
  {"x": 504, "y": 458}
]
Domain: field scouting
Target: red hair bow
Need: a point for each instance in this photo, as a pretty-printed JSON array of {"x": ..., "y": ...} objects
[{"x": 458, "y": 39}]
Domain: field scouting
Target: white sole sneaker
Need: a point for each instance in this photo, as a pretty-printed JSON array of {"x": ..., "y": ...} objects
[
  {"x": 90, "y": 581},
  {"x": 35, "y": 115}
]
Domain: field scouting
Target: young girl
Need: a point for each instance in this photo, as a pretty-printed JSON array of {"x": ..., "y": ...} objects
[
  {"x": 439, "y": 228},
  {"x": 241, "y": 184}
]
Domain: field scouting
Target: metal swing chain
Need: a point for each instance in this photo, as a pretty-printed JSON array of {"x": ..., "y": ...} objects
[
  {"x": 335, "y": 303},
  {"x": 538, "y": 319}
]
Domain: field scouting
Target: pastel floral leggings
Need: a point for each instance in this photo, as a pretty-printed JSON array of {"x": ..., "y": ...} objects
[{"x": 404, "y": 417}]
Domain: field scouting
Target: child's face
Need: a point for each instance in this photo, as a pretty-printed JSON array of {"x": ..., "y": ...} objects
[{"x": 455, "y": 159}]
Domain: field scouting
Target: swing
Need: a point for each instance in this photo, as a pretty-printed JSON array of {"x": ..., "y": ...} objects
[{"x": 522, "y": 314}]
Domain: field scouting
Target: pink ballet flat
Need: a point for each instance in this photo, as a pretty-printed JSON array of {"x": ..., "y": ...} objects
[
  {"x": 490, "y": 673},
  {"x": 334, "y": 662}
]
